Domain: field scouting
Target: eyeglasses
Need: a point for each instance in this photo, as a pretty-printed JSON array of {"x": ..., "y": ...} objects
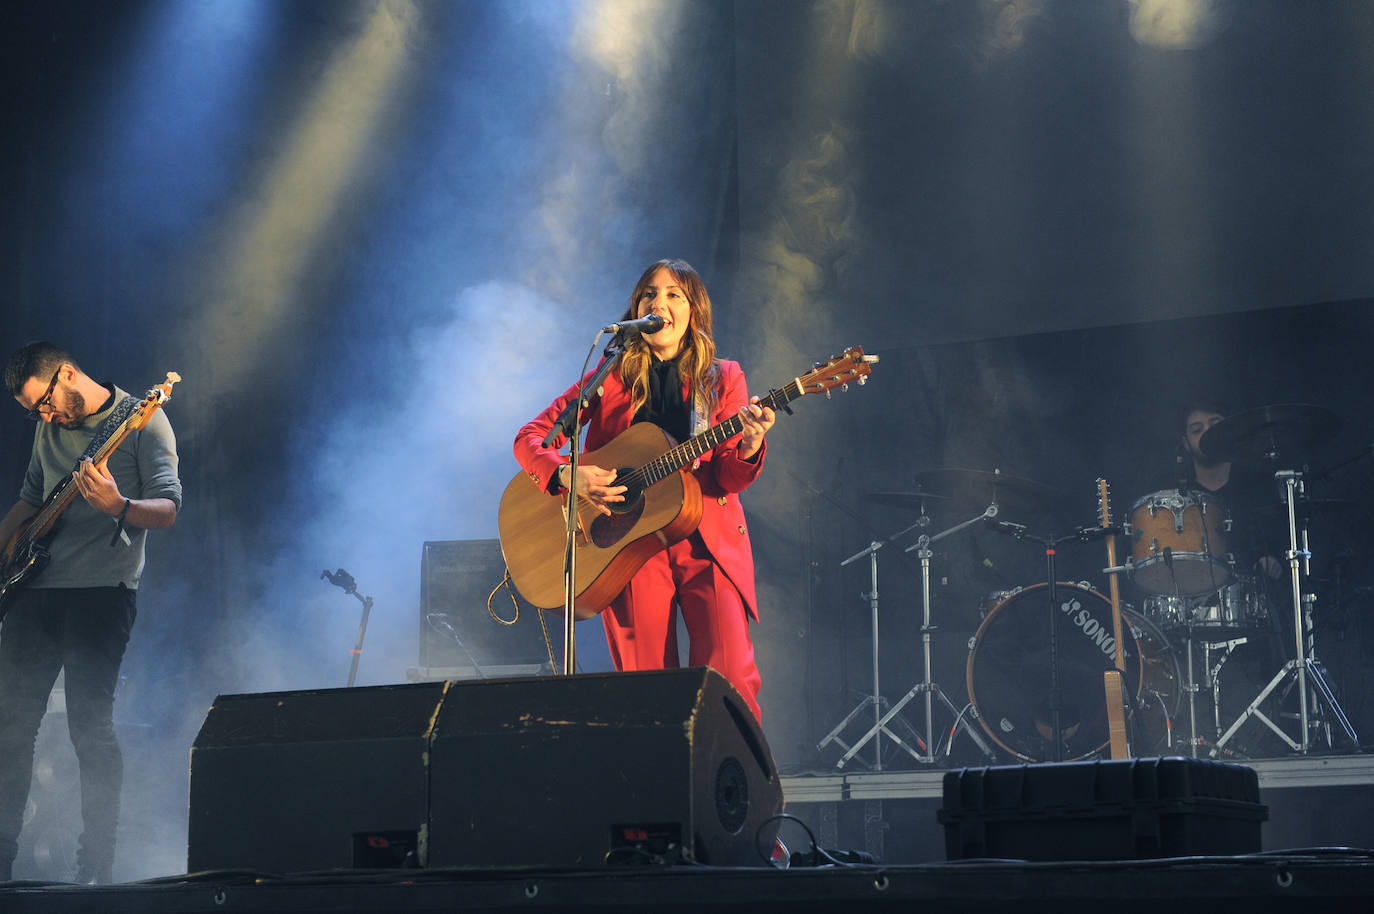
[{"x": 36, "y": 413}]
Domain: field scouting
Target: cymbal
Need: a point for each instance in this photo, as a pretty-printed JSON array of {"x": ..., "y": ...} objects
[
  {"x": 917, "y": 500},
  {"x": 987, "y": 486},
  {"x": 1270, "y": 432}
]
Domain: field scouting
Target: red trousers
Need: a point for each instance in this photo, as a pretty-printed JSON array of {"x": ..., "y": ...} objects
[{"x": 642, "y": 631}]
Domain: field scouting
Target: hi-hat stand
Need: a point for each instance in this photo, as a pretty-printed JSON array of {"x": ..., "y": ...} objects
[{"x": 1303, "y": 670}]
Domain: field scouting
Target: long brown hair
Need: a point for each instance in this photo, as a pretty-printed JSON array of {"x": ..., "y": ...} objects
[{"x": 698, "y": 359}]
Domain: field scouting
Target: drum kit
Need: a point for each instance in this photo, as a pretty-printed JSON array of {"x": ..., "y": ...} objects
[{"x": 1035, "y": 664}]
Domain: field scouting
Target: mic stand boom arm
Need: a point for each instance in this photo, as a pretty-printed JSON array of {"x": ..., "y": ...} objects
[{"x": 570, "y": 417}]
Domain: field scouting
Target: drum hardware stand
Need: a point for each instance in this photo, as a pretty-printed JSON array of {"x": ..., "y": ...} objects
[
  {"x": 1191, "y": 689},
  {"x": 1211, "y": 682},
  {"x": 882, "y": 713},
  {"x": 927, "y": 685},
  {"x": 1051, "y": 544},
  {"x": 1304, "y": 668}
]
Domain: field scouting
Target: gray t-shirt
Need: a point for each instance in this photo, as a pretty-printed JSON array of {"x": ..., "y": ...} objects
[{"x": 144, "y": 466}]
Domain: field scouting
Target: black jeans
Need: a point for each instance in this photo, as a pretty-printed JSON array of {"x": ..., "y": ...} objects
[{"x": 85, "y": 632}]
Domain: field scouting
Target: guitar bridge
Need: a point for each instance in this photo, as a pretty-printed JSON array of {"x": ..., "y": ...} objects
[{"x": 580, "y": 535}]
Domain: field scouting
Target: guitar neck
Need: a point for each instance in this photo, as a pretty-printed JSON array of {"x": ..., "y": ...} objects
[
  {"x": 65, "y": 493},
  {"x": 1113, "y": 586},
  {"x": 678, "y": 457}
]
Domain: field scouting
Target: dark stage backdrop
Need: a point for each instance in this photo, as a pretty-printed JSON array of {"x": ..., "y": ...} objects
[
  {"x": 374, "y": 237},
  {"x": 1060, "y": 409}
]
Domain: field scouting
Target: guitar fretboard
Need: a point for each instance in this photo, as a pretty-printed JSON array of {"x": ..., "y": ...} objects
[{"x": 674, "y": 459}]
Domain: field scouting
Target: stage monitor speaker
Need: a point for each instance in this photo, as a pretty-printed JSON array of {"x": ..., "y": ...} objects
[
  {"x": 292, "y": 781},
  {"x": 615, "y": 768},
  {"x": 576, "y": 771},
  {"x": 458, "y": 636}
]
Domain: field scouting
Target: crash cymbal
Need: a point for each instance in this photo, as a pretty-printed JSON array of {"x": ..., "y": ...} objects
[
  {"x": 986, "y": 486},
  {"x": 1285, "y": 430},
  {"x": 916, "y": 500}
]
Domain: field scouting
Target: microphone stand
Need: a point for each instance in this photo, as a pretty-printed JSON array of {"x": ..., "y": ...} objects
[
  {"x": 1051, "y": 546},
  {"x": 345, "y": 580},
  {"x": 569, "y": 422}
]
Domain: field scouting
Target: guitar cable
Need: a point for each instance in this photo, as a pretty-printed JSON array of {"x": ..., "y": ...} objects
[{"x": 510, "y": 591}]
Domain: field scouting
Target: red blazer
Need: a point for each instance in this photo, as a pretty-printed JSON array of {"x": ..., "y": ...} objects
[{"x": 721, "y": 473}]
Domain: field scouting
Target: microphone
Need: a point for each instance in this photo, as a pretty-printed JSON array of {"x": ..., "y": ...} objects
[
  {"x": 649, "y": 323},
  {"x": 342, "y": 579}
]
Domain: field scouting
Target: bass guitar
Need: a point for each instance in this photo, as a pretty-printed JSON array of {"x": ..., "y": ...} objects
[
  {"x": 26, "y": 554},
  {"x": 662, "y": 502}
]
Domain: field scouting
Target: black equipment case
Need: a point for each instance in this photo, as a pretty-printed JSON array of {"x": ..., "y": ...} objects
[{"x": 1102, "y": 810}]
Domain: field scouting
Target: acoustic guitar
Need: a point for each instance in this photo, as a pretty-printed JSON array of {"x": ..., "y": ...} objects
[
  {"x": 26, "y": 554},
  {"x": 662, "y": 502}
]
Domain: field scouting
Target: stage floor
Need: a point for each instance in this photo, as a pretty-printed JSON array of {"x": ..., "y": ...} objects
[
  {"x": 1259, "y": 884},
  {"x": 1318, "y": 854}
]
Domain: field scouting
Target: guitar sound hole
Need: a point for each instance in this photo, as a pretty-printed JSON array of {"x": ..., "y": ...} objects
[
  {"x": 607, "y": 531},
  {"x": 634, "y": 494}
]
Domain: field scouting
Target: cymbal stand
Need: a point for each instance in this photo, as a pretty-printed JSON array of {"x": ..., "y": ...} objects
[
  {"x": 1304, "y": 668},
  {"x": 927, "y": 686},
  {"x": 881, "y": 714}
]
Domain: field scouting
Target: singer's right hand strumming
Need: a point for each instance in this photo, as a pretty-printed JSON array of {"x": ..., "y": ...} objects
[{"x": 595, "y": 484}]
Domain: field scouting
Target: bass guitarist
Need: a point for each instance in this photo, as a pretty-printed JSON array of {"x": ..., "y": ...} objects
[
  {"x": 77, "y": 613},
  {"x": 673, "y": 379}
]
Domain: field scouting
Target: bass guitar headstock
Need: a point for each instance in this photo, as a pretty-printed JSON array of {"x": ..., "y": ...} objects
[{"x": 157, "y": 395}]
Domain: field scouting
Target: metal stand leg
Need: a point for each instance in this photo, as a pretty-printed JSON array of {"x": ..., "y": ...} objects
[
  {"x": 882, "y": 713},
  {"x": 886, "y": 716},
  {"x": 1303, "y": 669},
  {"x": 927, "y": 686},
  {"x": 1191, "y": 689}
]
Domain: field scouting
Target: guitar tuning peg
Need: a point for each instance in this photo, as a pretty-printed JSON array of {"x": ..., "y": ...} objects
[
  {"x": 817, "y": 364},
  {"x": 845, "y": 387},
  {"x": 862, "y": 380},
  {"x": 827, "y": 395}
]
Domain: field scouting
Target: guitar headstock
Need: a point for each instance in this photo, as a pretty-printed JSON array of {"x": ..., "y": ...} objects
[
  {"x": 1104, "y": 503},
  {"x": 839, "y": 371},
  {"x": 157, "y": 395}
]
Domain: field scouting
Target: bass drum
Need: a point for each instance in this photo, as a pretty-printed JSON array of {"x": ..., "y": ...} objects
[{"x": 1009, "y": 674}]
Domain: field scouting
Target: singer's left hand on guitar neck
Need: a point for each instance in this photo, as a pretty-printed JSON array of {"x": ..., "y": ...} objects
[{"x": 757, "y": 420}]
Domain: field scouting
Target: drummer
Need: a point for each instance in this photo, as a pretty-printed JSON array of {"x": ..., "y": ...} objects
[
  {"x": 1238, "y": 488},
  {"x": 1241, "y": 489}
]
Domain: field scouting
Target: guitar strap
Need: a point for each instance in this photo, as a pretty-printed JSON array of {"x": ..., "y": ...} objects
[
  {"x": 122, "y": 410},
  {"x": 701, "y": 416}
]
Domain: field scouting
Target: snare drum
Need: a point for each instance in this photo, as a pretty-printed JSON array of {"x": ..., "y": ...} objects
[
  {"x": 1235, "y": 610},
  {"x": 1178, "y": 543},
  {"x": 1008, "y": 673}
]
